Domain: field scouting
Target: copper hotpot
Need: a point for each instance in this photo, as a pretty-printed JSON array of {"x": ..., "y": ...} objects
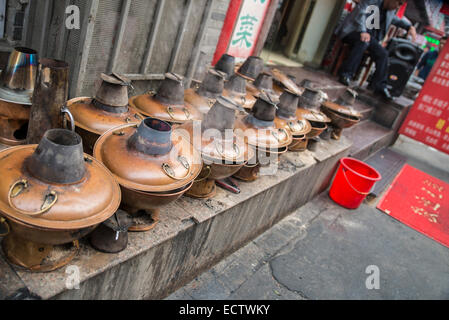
[
  {"x": 167, "y": 104},
  {"x": 259, "y": 131},
  {"x": 286, "y": 118},
  {"x": 153, "y": 165},
  {"x": 282, "y": 82},
  {"x": 204, "y": 97},
  {"x": 308, "y": 108},
  {"x": 341, "y": 113},
  {"x": 16, "y": 89},
  {"x": 263, "y": 83},
  {"x": 52, "y": 194},
  {"x": 108, "y": 109},
  {"x": 222, "y": 151}
]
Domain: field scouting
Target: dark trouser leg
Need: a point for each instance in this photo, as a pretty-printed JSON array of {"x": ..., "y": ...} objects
[
  {"x": 380, "y": 56},
  {"x": 352, "y": 62}
]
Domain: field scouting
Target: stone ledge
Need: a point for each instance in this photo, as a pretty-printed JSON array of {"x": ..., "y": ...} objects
[{"x": 191, "y": 236}]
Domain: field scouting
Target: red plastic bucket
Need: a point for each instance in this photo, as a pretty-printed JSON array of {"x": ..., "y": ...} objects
[{"x": 353, "y": 182}]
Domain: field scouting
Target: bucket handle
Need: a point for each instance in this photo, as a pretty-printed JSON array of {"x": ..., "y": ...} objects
[{"x": 353, "y": 188}]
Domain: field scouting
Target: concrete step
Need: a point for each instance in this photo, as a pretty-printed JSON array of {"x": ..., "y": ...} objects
[
  {"x": 192, "y": 235},
  {"x": 368, "y": 137},
  {"x": 389, "y": 114}
]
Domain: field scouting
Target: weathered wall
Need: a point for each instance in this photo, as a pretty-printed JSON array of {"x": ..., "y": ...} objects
[{"x": 142, "y": 39}]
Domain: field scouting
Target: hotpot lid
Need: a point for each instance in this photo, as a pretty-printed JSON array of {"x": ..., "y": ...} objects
[
  {"x": 26, "y": 199},
  {"x": 93, "y": 119},
  {"x": 176, "y": 113},
  {"x": 144, "y": 172}
]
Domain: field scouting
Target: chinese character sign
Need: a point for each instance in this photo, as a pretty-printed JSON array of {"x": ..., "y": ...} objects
[
  {"x": 247, "y": 28},
  {"x": 428, "y": 119}
]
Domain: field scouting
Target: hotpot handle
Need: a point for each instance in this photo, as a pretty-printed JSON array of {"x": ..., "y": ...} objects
[
  {"x": 44, "y": 208},
  {"x": 5, "y": 223},
  {"x": 64, "y": 111}
]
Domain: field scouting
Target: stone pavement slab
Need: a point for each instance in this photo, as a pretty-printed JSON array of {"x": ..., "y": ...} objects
[{"x": 323, "y": 251}]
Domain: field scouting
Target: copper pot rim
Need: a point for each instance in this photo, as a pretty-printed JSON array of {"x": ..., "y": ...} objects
[
  {"x": 279, "y": 150},
  {"x": 343, "y": 117},
  {"x": 306, "y": 114},
  {"x": 88, "y": 101},
  {"x": 340, "y": 110},
  {"x": 285, "y": 81},
  {"x": 17, "y": 97},
  {"x": 169, "y": 193},
  {"x": 148, "y": 188},
  {"x": 152, "y": 101},
  {"x": 12, "y": 143},
  {"x": 61, "y": 225},
  {"x": 242, "y": 75}
]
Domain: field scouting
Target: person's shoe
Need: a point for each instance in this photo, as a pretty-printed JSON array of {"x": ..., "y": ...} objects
[
  {"x": 345, "y": 80},
  {"x": 384, "y": 93}
]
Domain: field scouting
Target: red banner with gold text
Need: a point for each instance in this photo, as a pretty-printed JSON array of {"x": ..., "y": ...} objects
[{"x": 428, "y": 119}]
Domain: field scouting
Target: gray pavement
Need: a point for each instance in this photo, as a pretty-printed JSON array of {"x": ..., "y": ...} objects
[{"x": 322, "y": 251}]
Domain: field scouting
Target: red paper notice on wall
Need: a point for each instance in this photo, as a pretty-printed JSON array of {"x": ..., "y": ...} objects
[{"x": 428, "y": 120}]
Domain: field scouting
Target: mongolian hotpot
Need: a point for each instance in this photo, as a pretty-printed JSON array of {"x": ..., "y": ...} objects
[
  {"x": 153, "y": 165},
  {"x": 52, "y": 194}
]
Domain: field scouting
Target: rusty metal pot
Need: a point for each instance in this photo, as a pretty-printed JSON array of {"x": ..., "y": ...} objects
[
  {"x": 16, "y": 89},
  {"x": 283, "y": 82},
  {"x": 310, "y": 99},
  {"x": 342, "y": 117},
  {"x": 18, "y": 79},
  {"x": 226, "y": 64},
  {"x": 263, "y": 83},
  {"x": 50, "y": 93},
  {"x": 153, "y": 165},
  {"x": 203, "y": 98},
  {"x": 308, "y": 108},
  {"x": 286, "y": 118},
  {"x": 112, "y": 235},
  {"x": 251, "y": 67},
  {"x": 235, "y": 89},
  {"x": 222, "y": 151},
  {"x": 167, "y": 104},
  {"x": 52, "y": 194},
  {"x": 108, "y": 109},
  {"x": 259, "y": 131},
  {"x": 298, "y": 144}
]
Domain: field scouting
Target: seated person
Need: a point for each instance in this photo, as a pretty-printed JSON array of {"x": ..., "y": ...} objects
[
  {"x": 355, "y": 32},
  {"x": 425, "y": 65}
]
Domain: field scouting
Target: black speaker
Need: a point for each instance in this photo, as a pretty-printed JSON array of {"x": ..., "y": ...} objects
[{"x": 403, "y": 56}]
